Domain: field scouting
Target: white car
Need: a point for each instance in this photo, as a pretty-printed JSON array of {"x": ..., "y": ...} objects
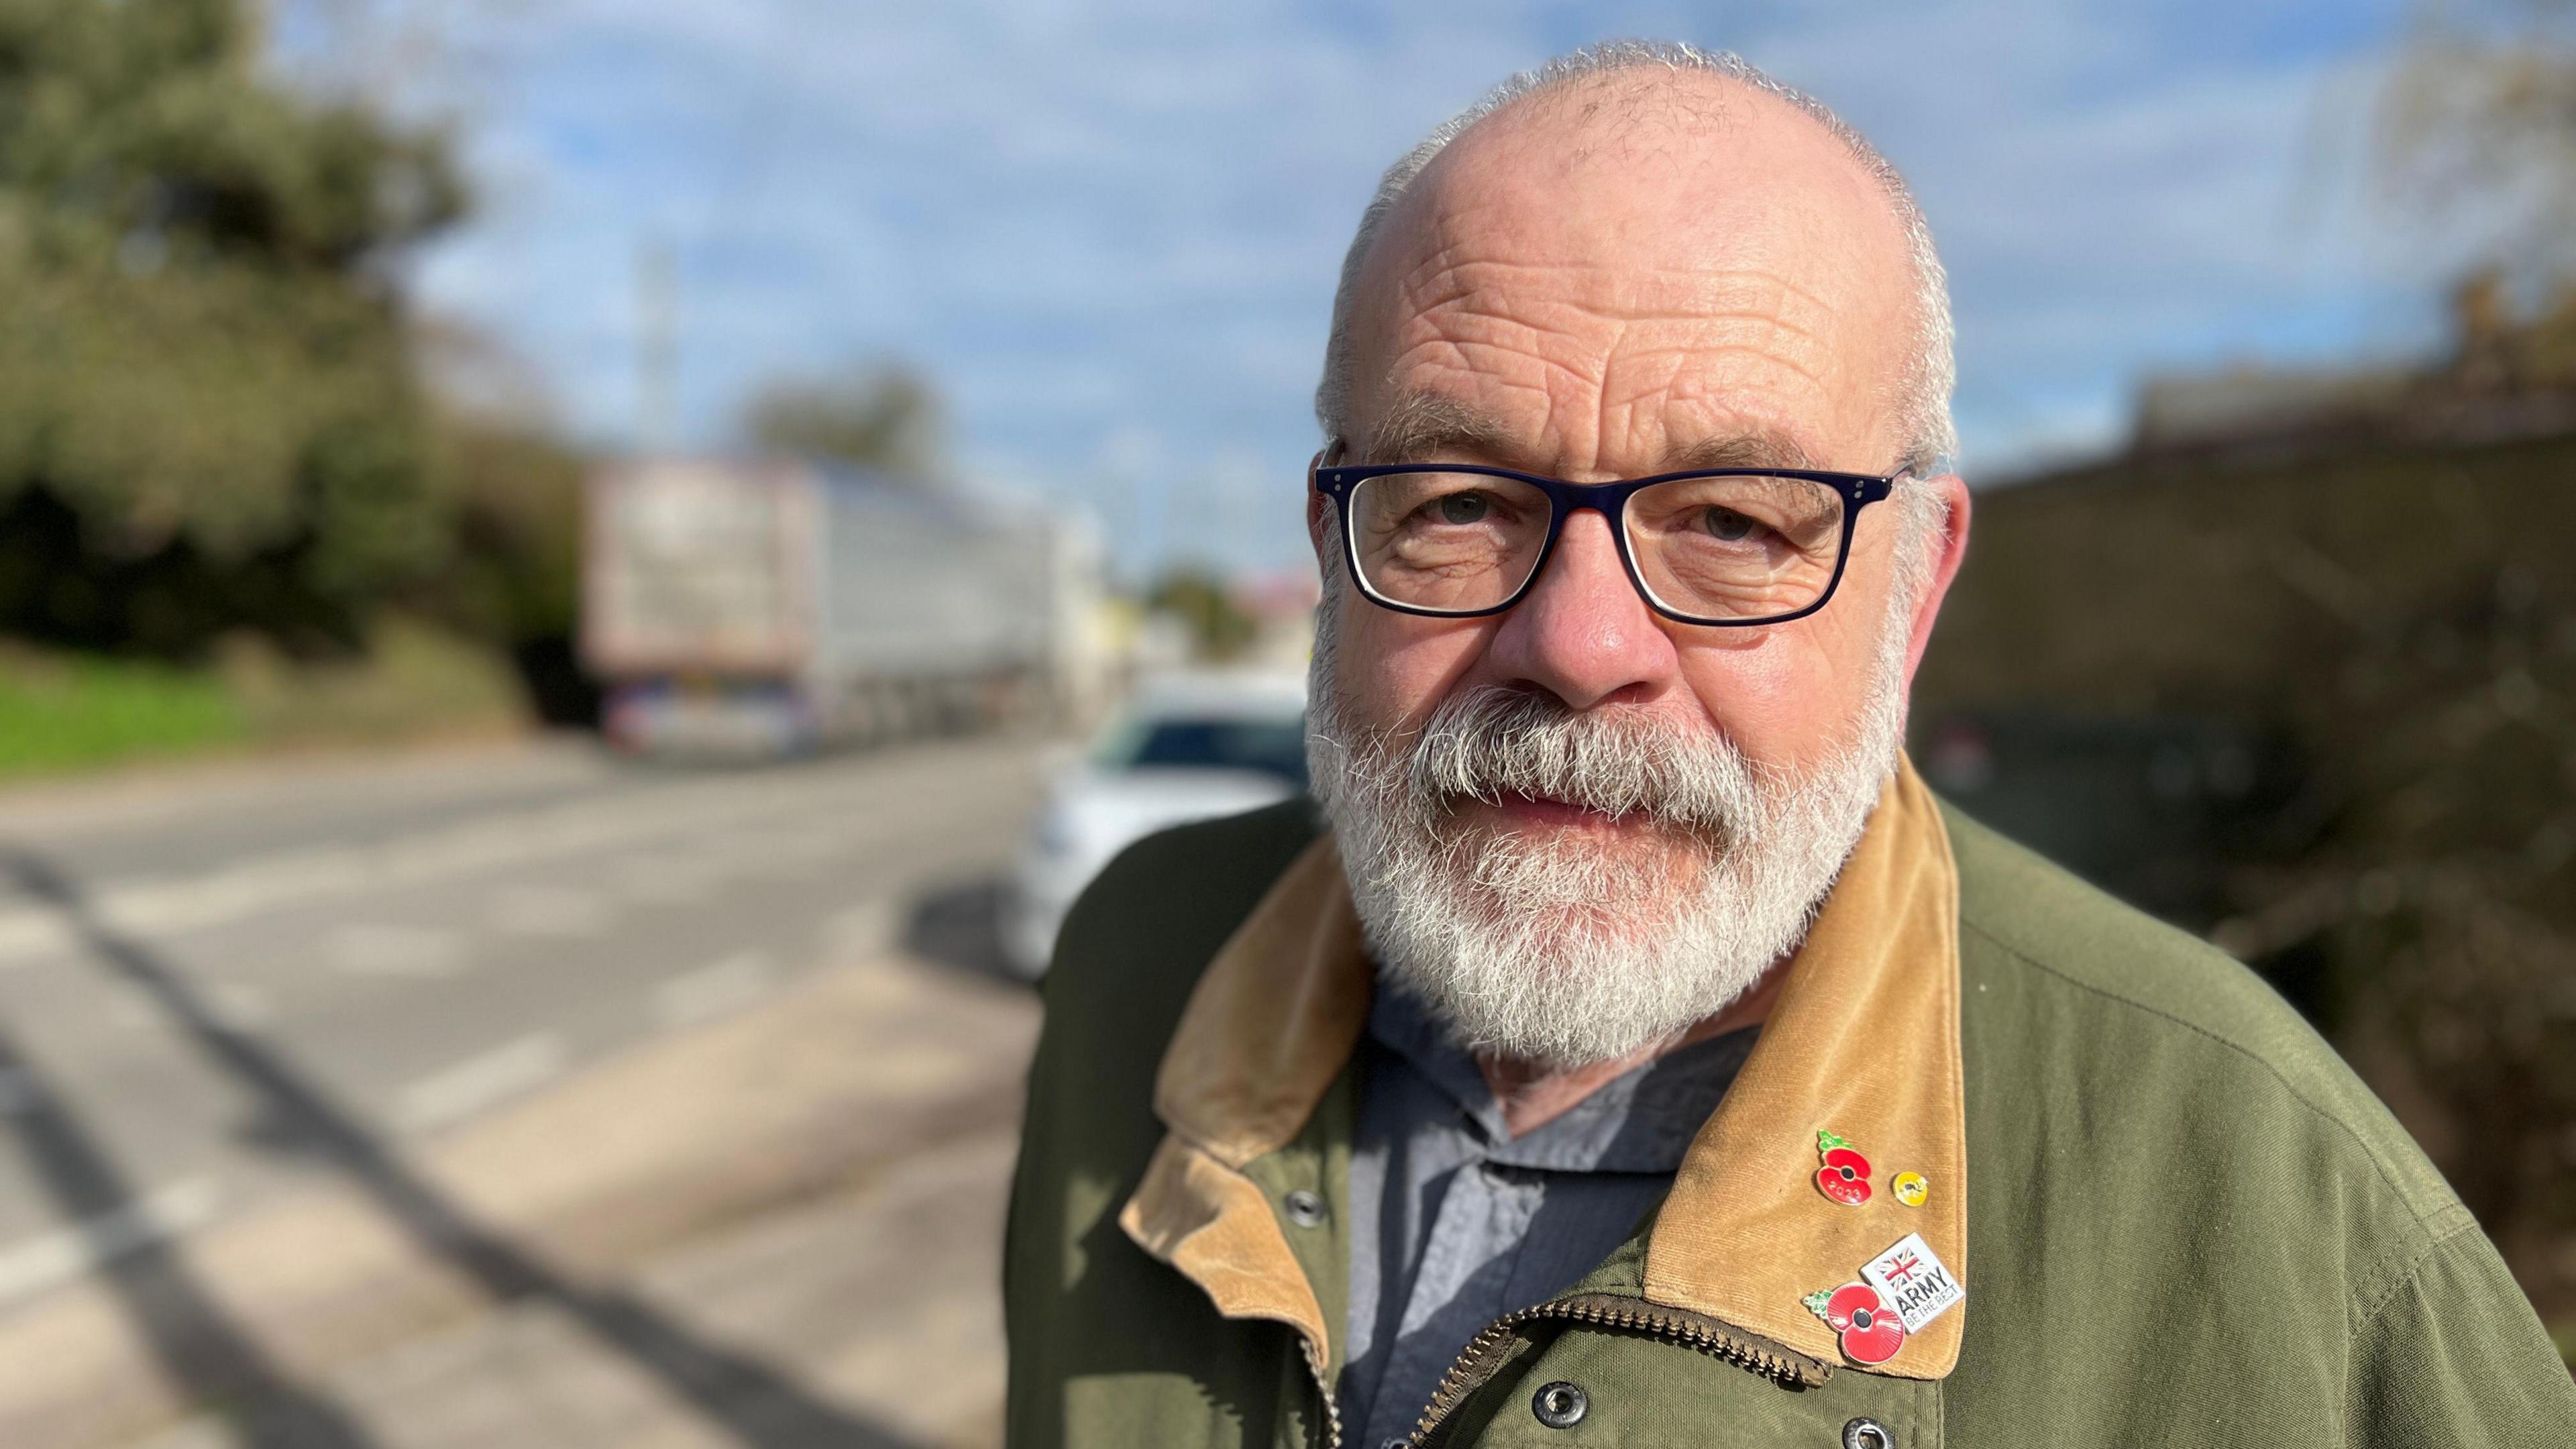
[{"x": 1188, "y": 747}]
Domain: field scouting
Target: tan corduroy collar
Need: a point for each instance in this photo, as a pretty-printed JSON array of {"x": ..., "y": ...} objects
[{"x": 1863, "y": 1042}]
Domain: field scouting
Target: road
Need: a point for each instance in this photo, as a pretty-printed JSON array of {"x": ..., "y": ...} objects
[{"x": 229, "y": 994}]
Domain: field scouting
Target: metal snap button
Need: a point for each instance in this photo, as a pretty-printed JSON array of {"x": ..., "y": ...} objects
[
  {"x": 1867, "y": 1434},
  {"x": 1304, "y": 1209},
  {"x": 1560, "y": 1405}
]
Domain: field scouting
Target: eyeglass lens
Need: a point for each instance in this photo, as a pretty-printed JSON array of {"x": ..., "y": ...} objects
[{"x": 1737, "y": 547}]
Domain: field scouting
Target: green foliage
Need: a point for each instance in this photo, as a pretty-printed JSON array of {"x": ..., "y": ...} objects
[
  {"x": 516, "y": 576},
  {"x": 202, "y": 355},
  {"x": 1218, "y": 625},
  {"x": 883, "y": 417}
]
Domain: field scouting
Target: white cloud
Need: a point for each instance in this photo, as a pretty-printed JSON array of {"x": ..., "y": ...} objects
[{"x": 1126, "y": 218}]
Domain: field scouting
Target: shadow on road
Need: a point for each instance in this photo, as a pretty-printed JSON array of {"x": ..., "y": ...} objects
[
  {"x": 220, "y": 1363},
  {"x": 959, "y": 925},
  {"x": 200, "y": 1346}
]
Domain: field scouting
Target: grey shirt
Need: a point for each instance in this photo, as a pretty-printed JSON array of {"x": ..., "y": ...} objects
[{"x": 1456, "y": 1223}]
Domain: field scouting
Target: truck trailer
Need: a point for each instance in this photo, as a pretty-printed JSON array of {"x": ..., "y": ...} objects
[{"x": 769, "y": 607}]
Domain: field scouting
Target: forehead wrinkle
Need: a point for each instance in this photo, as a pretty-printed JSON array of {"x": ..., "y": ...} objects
[
  {"x": 1668, "y": 434},
  {"x": 1489, "y": 366},
  {"x": 1599, "y": 345},
  {"x": 1502, "y": 441},
  {"x": 1662, "y": 397},
  {"x": 1424, "y": 421},
  {"x": 1497, "y": 348},
  {"x": 1444, "y": 278},
  {"x": 1586, "y": 339},
  {"x": 1530, "y": 310},
  {"x": 1601, "y": 404},
  {"x": 1668, "y": 369},
  {"x": 1767, "y": 373},
  {"x": 1462, "y": 358},
  {"x": 1782, "y": 441}
]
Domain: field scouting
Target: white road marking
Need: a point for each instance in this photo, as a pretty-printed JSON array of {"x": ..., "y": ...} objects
[
  {"x": 425, "y": 952},
  {"x": 712, "y": 991},
  {"x": 452, "y": 1094},
  {"x": 41, "y": 1262},
  {"x": 238, "y": 1007},
  {"x": 551, "y": 911},
  {"x": 26, "y": 934}
]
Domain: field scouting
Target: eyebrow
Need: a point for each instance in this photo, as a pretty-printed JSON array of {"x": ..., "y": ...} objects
[
  {"x": 1420, "y": 425},
  {"x": 1754, "y": 446}
]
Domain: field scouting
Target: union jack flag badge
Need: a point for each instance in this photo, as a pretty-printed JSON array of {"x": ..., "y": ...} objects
[{"x": 1914, "y": 1281}]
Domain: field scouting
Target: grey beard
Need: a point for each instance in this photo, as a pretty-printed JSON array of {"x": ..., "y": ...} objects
[{"x": 1564, "y": 950}]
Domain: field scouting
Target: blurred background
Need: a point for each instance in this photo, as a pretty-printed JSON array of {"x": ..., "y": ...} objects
[{"x": 581, "y": 583}]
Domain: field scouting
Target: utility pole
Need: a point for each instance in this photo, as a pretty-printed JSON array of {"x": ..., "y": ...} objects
[{"x": 657, "y": 348}]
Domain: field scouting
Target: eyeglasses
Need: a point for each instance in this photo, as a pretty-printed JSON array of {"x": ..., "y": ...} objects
[{"x": 1720, "y": 546}]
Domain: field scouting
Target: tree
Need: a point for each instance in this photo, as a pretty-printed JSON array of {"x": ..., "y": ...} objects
[
  {"x": 2433, "y": 908},
  {"x": 878, "y": 417},
  {"x": 202, "y": 355},
  {"x": 1219, "y": 628},
  {"x": 2478, "y": 123}
]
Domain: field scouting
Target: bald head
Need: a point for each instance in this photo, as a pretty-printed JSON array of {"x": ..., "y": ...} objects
[{"x": 1669, "y": 179}]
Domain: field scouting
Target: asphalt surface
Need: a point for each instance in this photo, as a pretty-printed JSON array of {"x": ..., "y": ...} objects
[{"x": 395, "y": 949}]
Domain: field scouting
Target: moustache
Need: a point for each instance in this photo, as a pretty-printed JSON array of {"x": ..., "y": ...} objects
[{"x": 1491, "y": 743}]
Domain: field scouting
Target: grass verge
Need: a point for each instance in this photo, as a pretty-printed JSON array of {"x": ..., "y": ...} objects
[{"x": 65, "y": 713}]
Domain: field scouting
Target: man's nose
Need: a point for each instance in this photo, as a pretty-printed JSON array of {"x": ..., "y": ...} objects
[{"x": 1583, "y": 633}]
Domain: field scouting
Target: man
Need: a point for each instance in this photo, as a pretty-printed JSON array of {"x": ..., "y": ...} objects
[{"x": 1643, "y": 1055}]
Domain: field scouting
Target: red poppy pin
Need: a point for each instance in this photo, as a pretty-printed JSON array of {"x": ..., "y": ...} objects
[
  {"x": 1845, "y": 1175},
  {"x": 1871, "y": 1332}
]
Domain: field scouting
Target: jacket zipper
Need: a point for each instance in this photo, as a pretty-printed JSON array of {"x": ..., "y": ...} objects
[
  {"x": 1323, "y": 1390},
  {"x": 1478, "y": 1361}
]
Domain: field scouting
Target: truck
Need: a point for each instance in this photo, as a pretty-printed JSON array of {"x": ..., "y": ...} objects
[{"x": 765, "y": 607}]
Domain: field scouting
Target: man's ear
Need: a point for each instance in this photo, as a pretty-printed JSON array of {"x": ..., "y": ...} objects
[
  {"x": 1952, "y": 551},
  {"x": 1319, "y": 513}
]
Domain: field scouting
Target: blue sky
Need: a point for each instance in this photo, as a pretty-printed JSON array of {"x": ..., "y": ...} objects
[{"x": 1109, "y": 232}]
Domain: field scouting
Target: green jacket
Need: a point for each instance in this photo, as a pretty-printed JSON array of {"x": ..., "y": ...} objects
[{"x": 2177, "y": 1217}]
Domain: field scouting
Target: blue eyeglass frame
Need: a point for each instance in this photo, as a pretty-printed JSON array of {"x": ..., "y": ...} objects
[{"x": 1610, "y": 500}]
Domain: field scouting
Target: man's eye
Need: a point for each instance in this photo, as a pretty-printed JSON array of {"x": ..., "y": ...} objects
[
  {"x": 1728, "y": 524},
  {"x": 1464, "y": 508}
]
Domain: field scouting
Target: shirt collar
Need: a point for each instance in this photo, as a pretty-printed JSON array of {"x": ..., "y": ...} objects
[{"x": 1643, "y": 1120}]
